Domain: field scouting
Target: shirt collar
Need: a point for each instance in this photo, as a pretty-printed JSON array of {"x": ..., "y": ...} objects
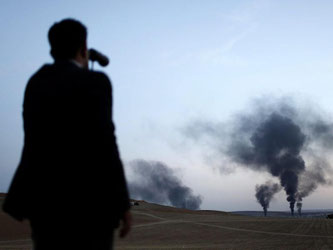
[{"x": 76, "y": 63}]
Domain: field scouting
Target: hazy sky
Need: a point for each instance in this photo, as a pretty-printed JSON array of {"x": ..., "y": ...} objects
[{"x": 173, "y": 61}]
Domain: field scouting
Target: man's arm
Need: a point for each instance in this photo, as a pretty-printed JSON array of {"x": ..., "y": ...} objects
[{"x": 123, "y": 202}]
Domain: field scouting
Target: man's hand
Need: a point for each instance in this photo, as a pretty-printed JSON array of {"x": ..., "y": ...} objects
[{"x": 126, "y": 224}]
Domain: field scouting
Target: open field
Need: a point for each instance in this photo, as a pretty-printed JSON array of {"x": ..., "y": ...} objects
[
  {"x": 162, "y": 227},
  {"x": 169, "y": 228}
]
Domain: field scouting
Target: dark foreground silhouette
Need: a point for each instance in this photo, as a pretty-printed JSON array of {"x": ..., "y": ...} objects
[{"x": 70, "y": 182}]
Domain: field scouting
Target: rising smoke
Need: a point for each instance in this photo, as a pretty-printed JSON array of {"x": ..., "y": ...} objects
[
  {"x": 265, "y": 193},
  {"x": 276, "y": 136},
  {"x": 275, "y": 146},
  {"x": 156, "y": 182}
]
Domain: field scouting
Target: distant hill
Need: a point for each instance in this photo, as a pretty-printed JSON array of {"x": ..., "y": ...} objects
[{"x": 318, "y": 213}]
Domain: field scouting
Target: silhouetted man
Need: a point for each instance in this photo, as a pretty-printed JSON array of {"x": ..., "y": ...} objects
[{"x": 70, "y": 182}]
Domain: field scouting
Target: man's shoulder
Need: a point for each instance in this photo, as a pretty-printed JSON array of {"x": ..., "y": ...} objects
[
  {"x": 69, "y": 72},
  {"x": 39, "y": 74},
  {"x": 99, "y": 75},
  {"x": 42, "y": 70},
  {"x": 98, "y": 79}
]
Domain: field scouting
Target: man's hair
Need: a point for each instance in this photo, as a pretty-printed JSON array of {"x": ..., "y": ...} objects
[{"x": 66, "y": 38}]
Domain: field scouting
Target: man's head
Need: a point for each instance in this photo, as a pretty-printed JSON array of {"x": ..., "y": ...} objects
[{"x": 68, "y": 40}]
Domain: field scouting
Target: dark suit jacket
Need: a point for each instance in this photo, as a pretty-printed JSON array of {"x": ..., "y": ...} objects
[{"x": 70, "y": 165}]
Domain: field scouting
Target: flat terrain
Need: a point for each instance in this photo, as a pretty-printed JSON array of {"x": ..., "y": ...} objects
[{"x": 162, "y": 227}]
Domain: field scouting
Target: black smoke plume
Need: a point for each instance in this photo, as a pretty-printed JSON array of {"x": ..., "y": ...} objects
[
  {"x": 289, "y": 140},
  {"x": 275, "y": 146},
  {"x": 265, "y": 193},
  {"x": 156, "y": 182}
]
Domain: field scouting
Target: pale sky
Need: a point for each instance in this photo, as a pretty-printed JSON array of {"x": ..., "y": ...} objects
[{"x": 173, "y": 61}]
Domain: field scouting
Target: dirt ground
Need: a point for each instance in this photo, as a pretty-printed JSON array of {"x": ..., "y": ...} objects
[
  {"x": 13, "y": 234},
  {"x": 162, "y": 227}
]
